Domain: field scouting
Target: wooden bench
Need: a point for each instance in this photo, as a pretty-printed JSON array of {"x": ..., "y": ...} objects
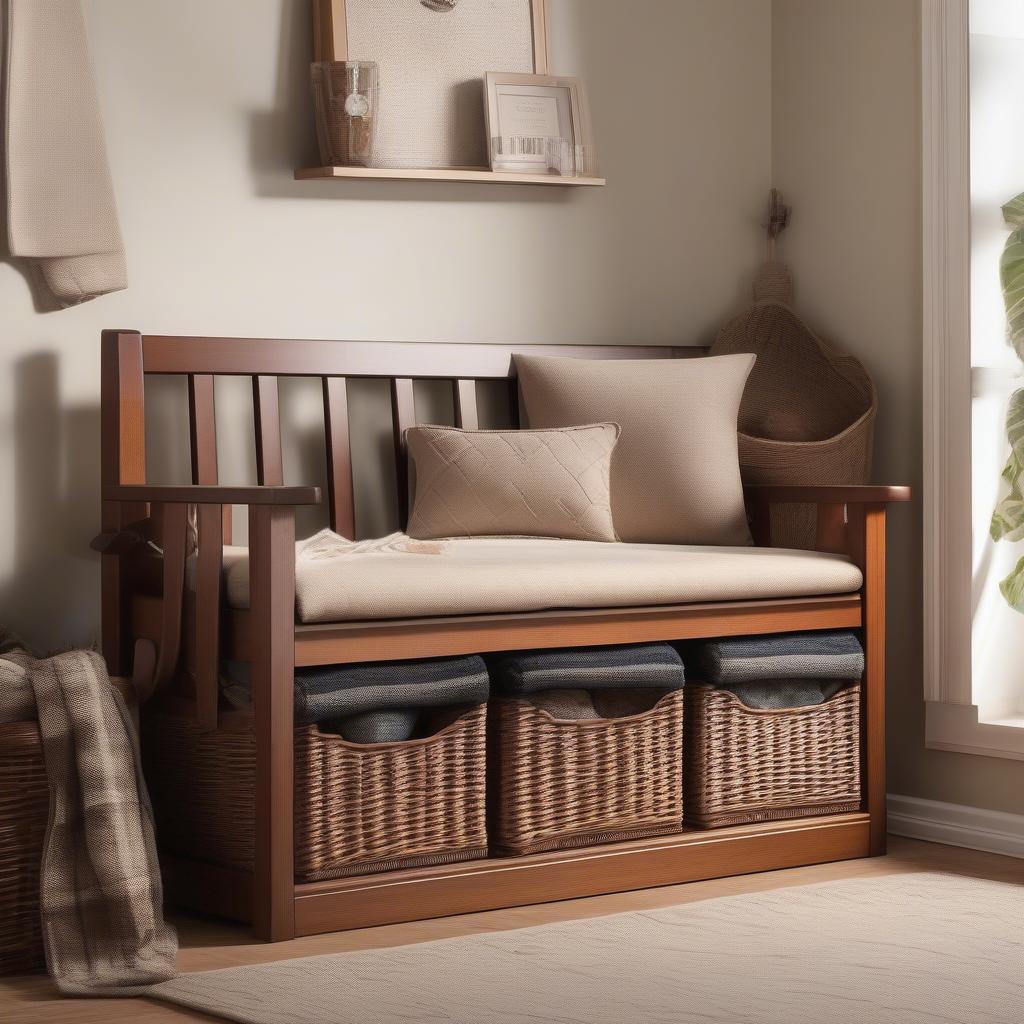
[{"x": 172, "y": 637}]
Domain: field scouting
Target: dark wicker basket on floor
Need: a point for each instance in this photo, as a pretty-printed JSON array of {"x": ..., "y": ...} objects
[
  {"x": 748, "y": 764},
  {"x": 563, "y": 784},
  {"x": 359, "y": 808},
  {"x": 24, "y": 807}
]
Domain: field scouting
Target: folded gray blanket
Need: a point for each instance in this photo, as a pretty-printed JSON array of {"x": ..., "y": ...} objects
[
  {"x": 786, "y": 693},
  {"x": 825, "y": 655},
  {"x": 340, "y": 690},
  {"x": 643, "y": 666},
  {"x": 388, "y": 726}
]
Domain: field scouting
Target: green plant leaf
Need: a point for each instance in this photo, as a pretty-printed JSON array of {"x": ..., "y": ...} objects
[
  {"x": 1008, "y": 516},
  {"x": 1012, "y": 588},
  {"x": 1013, "y": 211},
  {"x": 1011, "y": 273}
]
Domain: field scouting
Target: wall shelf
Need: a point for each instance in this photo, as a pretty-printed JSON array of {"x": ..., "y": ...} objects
[{"x": 478, "y": 175}]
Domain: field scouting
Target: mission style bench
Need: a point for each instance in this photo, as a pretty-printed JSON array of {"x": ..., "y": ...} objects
[{"x": 172, "y": 636}]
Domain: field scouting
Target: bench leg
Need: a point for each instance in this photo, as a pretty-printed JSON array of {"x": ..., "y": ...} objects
[
  {"x": 867, "y": 530},
  {"x": 272, "y": 601}
]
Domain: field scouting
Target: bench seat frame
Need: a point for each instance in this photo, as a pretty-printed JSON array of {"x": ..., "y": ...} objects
[{"x": 172, "y": 638}]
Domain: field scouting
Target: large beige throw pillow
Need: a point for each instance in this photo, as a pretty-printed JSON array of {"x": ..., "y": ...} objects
[
  {"x": 675, "y": 473},
  {"x": 525, "y": 483}
]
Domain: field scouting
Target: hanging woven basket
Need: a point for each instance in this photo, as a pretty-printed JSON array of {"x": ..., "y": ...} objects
[{"x": 808, "y": 411}]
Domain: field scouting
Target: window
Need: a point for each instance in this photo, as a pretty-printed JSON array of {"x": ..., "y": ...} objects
[{"x": 973, "y": 65}]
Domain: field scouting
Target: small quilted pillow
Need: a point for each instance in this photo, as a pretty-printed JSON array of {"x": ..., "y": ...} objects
[{"x": 518, "y": 483}]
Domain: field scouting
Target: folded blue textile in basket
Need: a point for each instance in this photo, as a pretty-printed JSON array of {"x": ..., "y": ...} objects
[
  {"x": 339, "y": 690},
  {"x": 786, "y": 693},
  {"x": 745, "y": 659},
  {"x": 637, "y": 666}
]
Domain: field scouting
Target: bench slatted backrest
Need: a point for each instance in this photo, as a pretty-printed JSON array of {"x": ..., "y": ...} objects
[
  {"x": 263, "y": 360},
  {"x": 339, "y": 456}
]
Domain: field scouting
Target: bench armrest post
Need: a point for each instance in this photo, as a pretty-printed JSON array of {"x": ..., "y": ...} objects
[
  {"x": 851, "y": 521},
  {"x": 866, "y": 536},
  {"x": 272, "y": 603}
]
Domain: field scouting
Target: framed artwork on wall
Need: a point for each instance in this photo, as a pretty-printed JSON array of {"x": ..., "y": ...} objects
[
  {"x": 432, "y": 56},
  {"x": 538, "y": 124}
]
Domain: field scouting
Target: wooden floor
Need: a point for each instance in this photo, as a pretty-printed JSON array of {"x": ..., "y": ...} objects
[{"x": 206, "y": 945}]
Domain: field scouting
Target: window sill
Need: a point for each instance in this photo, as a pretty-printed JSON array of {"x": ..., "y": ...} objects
[{"x": 957, "y": 727}]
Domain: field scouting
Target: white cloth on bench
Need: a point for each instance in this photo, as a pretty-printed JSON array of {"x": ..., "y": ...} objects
[{"x": 337, "y": 581}]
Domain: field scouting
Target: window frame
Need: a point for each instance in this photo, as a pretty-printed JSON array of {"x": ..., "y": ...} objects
[{"x": 952, "y": 719}]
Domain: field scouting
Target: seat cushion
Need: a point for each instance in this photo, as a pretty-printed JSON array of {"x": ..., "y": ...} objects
[{"x": 338, "y": 581}]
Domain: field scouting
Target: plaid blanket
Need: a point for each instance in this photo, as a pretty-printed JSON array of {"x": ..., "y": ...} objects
[{"x": 100, "y": 891}]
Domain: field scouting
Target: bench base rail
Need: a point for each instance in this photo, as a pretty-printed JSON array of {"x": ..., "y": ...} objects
[{"x": 419, "y": 893}]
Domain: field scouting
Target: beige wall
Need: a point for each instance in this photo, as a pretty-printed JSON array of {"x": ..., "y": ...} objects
[
  {"x": 207, "y": 112},
  {"x": 846, "y": 153}
]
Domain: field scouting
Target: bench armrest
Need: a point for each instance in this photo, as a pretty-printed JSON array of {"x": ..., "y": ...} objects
[
  {"x": 827, "y": 494},
  {"x": 194, "y": 494},
  {"x": 840, "y": 514}
]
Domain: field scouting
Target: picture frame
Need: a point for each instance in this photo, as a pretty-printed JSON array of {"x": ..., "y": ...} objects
[
  {"x": 431, "y": 67},
  {"x": 538, "y": 124}
]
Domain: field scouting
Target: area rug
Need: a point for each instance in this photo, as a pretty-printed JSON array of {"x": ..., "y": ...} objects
[{"x": 903, "y": 949}]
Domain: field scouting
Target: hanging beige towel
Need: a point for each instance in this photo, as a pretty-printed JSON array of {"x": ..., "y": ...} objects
[{"x": 61, "y": 214}]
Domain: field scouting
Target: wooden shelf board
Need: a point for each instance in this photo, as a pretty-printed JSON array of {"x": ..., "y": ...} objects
[{"x": 478, "y": 175}]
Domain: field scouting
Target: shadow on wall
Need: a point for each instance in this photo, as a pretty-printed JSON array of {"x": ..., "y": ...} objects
[
  {"x": 53, "y": 579},
  {"x": 284, "y": 137}
]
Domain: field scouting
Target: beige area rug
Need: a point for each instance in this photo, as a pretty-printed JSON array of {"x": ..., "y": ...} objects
[{"x": 906, "y": 949}]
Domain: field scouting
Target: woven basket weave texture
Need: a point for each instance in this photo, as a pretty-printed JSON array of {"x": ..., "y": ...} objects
[
  {"x": 745, "y": 765},
  {"x": 808, "y": 411},
  {"x": 562, "y": 784},
  {"x": 24, "y": 807},
  {"x": 358, "y": 808}
]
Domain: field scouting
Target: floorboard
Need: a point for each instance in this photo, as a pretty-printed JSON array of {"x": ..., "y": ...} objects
[{"x": 208, "y": 944}]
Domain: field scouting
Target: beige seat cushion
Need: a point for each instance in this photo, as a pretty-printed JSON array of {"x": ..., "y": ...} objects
[
  {"x": 337, "y": 581},
  {"x": 675, "y": 471},
  {"x": 512, "y": 483}
]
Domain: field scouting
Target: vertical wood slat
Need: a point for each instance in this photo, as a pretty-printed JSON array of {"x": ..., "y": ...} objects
[
  {"x": 123, "y": 426},
  {"x": 464, "y": 393},
  {"x": 272, "y": 601},
  {"x": 403, "y": 416},
  {"x": 513, "y": 403},
  {"x": 174, "y": 541},
  {"x": 213, "y": 524},
  {"x": 339, "y": 457},
  {"x": 760, "y": 515},
  {"x": 267, "y": 418},
  {"x": 830, "y": 533},
  {"x": 202, "y": 418}
]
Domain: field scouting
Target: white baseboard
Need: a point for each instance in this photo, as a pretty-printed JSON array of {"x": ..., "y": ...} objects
[{"x": 956, "y": 825}]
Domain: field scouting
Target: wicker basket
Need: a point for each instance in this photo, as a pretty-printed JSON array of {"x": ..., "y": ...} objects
[
  {"x": 24, "y": 808},
  {"x": 358, "y": 808},
  {"x": 746, "y": 764},
  {"x": 563, "y": 784},
  {"x": 808, "y": 411}
]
